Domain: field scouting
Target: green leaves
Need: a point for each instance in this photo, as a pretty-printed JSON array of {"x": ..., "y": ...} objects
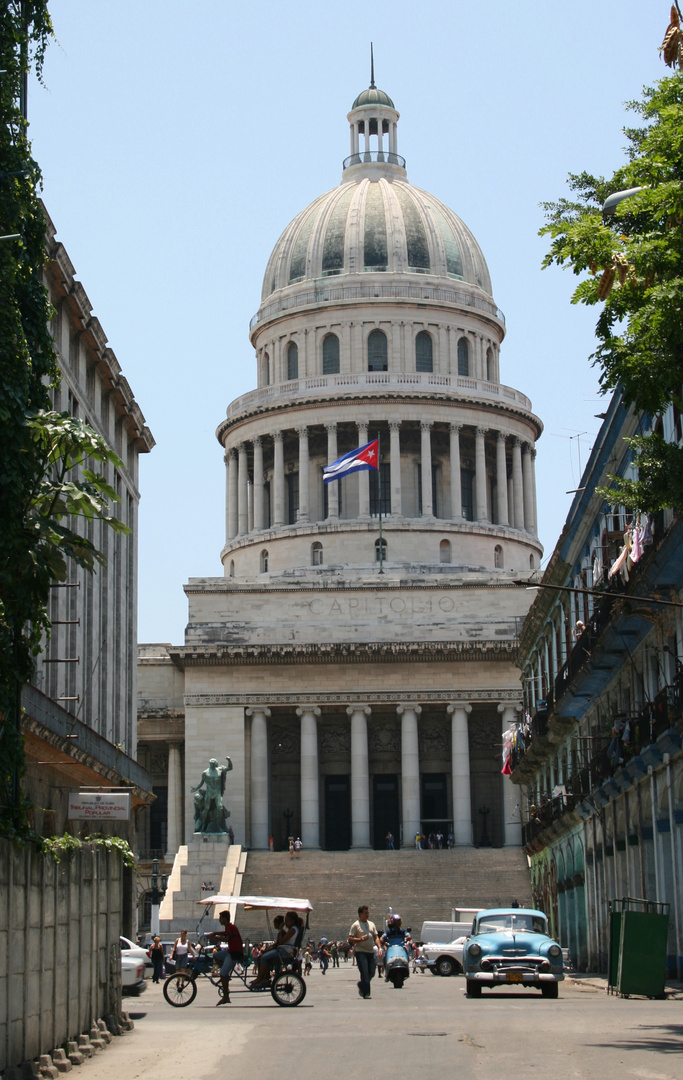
[{"x": 632, "y": 263}]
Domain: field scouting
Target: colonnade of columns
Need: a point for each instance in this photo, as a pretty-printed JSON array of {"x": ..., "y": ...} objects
[
  {"x": 515, "y": 502},
  {"x": 360, "y": 775}
]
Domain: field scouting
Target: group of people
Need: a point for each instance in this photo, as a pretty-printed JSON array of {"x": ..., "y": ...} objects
[{"x": 434, "y": 841}]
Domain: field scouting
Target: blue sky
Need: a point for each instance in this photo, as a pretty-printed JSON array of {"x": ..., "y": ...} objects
[{"x": 177, "y": 140}]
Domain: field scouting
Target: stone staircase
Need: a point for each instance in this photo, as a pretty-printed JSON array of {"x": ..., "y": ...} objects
[
  {"x": 419, "y": 885},
  {"x": 204, "y": 860}
]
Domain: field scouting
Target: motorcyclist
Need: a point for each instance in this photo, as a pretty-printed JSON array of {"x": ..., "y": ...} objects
[{"x": 394, "y": 935}]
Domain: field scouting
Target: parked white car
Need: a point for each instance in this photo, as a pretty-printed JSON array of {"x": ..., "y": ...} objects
[
  {"x": 442, "y": 959},
  {"x": 129, "y": 948},
  {"x": 132, "y": 975}
]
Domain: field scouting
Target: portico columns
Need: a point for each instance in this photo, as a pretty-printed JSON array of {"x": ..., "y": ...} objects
[
  {"x": 333, "y": 486},
  {"x": 395, "y": 467},
  {"x": 456, "y": 483},
  {"x": 279, "y": 479},
  {"x": 242, "y": 494},
  {"x": 480, "y": 474},
  {"x": 304, "y": 488},
  {"x": 410, "y": 771},
  {"x": 258, "y": 485},
  {"x": 501, "y": 481},
  {"x": 426, "y": 469},
  {"x": 363, "y": 475},
  {"x": 259, "y": 777},
  {"x": 360, "y": 776},
  {"x": 310, "y": 799},
  {"x": 174, "y": 833},
  {"x": 512, "y": 793},
  {"x": 518, "y": 515},
  {"x": 460, "y": 769}
]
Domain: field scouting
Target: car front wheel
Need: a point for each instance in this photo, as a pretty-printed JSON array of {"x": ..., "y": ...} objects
[
  {"x": 473, "y": 988},
  {"x": 550, "y": 990},
  {"x": 446, "y": 966}
]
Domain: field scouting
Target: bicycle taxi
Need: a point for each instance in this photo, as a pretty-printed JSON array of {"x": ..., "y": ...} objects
[{"x": 287, "y": 986}]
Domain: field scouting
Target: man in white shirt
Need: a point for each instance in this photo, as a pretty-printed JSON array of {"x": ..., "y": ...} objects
[{"x": 363, "y": 937}]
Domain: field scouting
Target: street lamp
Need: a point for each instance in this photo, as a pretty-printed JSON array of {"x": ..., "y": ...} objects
[{"x": 159, "y": 883}]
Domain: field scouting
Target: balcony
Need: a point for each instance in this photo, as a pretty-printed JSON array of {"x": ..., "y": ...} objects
[{"x": 367, "y": 157}]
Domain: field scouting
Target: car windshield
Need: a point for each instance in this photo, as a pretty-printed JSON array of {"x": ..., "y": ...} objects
[{"x": 525, "y": 923}]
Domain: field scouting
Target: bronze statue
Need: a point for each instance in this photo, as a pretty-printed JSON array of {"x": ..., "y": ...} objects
[{"x": 210, "y": 816}]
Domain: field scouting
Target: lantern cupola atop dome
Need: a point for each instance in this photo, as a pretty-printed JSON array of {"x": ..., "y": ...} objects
[{"x": 374, "y": 148}]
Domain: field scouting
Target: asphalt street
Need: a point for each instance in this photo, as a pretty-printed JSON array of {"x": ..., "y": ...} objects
[{"x": 429, "y": 1028}]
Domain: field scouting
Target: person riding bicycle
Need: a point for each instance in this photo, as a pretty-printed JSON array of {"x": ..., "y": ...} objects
[
  {"x": 233, "y": 939},
  {"x": 284, "y": 947}
]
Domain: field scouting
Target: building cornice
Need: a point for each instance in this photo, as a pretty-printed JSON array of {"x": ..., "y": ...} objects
[
  {"x": 343, "y": 653},
  {"x": 425, "y": 697}
]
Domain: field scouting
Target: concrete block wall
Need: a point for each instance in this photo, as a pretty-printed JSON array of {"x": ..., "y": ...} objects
[{"x": 60, "y": 967}]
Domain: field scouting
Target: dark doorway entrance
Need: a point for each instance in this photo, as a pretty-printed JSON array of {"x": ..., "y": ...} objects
[
  {"x": 385, "y": 810},
  {"x": 435, "y": 805},
  {"x": 337, "y": 813}
]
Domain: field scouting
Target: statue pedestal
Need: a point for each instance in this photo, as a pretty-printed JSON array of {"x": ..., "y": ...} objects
[{"x": 208, "y": 859}]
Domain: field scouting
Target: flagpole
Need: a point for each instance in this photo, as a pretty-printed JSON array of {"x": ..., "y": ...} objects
[{"x": 379, "y": 492}]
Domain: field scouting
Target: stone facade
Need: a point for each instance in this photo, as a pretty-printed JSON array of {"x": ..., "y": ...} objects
[{"x": 357, "y": 659}]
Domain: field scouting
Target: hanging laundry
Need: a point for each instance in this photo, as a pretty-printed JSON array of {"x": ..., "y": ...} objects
[
  {"x": 618, "y": 562},
  {"x": 647, "y": 529},
  {"x": 637, "y": 548}
]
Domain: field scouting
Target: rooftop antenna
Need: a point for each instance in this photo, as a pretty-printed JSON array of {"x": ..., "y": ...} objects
[{"x": 372, "y": 69}]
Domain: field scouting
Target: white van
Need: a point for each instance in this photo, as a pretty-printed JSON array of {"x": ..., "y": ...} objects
[{"x": 445, "y": 932}]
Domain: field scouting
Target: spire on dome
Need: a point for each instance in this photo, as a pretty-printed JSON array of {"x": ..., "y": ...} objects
[
  {"x": 373, "y": 119},
  {"x": 372, "y": 69}
]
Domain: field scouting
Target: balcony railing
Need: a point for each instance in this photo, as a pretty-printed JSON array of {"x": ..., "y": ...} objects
[{"x": 368, "y": 156}]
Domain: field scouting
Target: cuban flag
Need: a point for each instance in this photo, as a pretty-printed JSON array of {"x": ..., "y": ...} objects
[{"x": 365, "y": 457}]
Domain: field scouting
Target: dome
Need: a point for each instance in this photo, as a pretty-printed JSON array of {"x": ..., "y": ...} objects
[
  {"x": 376, "y": 224},
  {"x": 373, "y": 96}
]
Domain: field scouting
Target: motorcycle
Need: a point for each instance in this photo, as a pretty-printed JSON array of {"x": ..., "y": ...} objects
[{"x": 396, "y": 962}]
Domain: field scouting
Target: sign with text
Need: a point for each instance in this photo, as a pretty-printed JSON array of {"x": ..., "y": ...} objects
[{"x": 95, "y": 806}]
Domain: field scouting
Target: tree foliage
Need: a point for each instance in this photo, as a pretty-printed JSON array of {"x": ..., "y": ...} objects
[
  {"x": 48, "y": 461},
  {"x": 631, "y": 263}
]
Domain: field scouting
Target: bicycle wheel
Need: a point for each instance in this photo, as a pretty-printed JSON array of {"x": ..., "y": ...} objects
[
  {"x": 180, "y": 990},
  {"x": 288, "y": 989}
]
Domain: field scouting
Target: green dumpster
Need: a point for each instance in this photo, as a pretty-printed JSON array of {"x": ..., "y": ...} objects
[{"x": 639, "y": 930}]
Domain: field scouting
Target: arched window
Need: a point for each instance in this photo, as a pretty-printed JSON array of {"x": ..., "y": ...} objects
[
  {"x": 232, "y": 568},
  {"x": 489, "y": 365},
  {"x": 423, "y": 352},
  {"x": 331, "y": 355},
  {"x": 316, "y": 554},
  {"x": 266, "y": 369},
  {"x": 463, "y": 357},
  {"x": 498, "y": 557},
  {"x": 532, "y": 565},
  {"x": 292, "y": 360},
  {"x": 264, "y": 561},
  {"x": 377, "y": 351},
  {"x": 384, "y": 550},
  {"x": 445, "y": 551}
]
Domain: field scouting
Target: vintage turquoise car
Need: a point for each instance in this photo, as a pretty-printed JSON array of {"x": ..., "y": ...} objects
[{"x": 511, "y": 946}]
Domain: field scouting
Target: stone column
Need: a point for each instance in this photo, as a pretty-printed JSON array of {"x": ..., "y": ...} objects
[
  {"x": 232, "y": 495},
  {"x": 259, "y": 777},
  {"x": 532, "y": 456},
  {"x": 250, "y": 508},
  {"x": 480, "y": 474},
  {"x": 460, "y": 770},
  {"x": 512, "y": 793},
  {"x": 259, "y": 516},
  {"x": 410, "y": 771},
  {"x": 242, "y": 493},
  {"x": 501, "y": 481},
  {"x": 310, "y": 798},
  {"x": 304, "y": 485},
  {"x": 518, "y": 508},
  {"x": 363, "y": 475},
  {"x": 360, "y": 776},
  {"x": 226, "y": 462},
  {"x": 426, "y": 469},
  {"x": 174, "y": 835},
  {"x": 333, "y": 486},
  {"x": 278, "y": 479},
  {"x": 395, "y": 467},
  {"x": 528, "y": 499},
  {"x": 456, "y": 487}
]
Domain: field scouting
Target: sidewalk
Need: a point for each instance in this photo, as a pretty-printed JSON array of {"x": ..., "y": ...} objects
[{"x": 594, "y": 982}]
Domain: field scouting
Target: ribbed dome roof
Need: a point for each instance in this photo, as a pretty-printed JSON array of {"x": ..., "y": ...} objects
[
  {"x": 373, "y": 96},
  {"x": 372, "y": 226}
]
